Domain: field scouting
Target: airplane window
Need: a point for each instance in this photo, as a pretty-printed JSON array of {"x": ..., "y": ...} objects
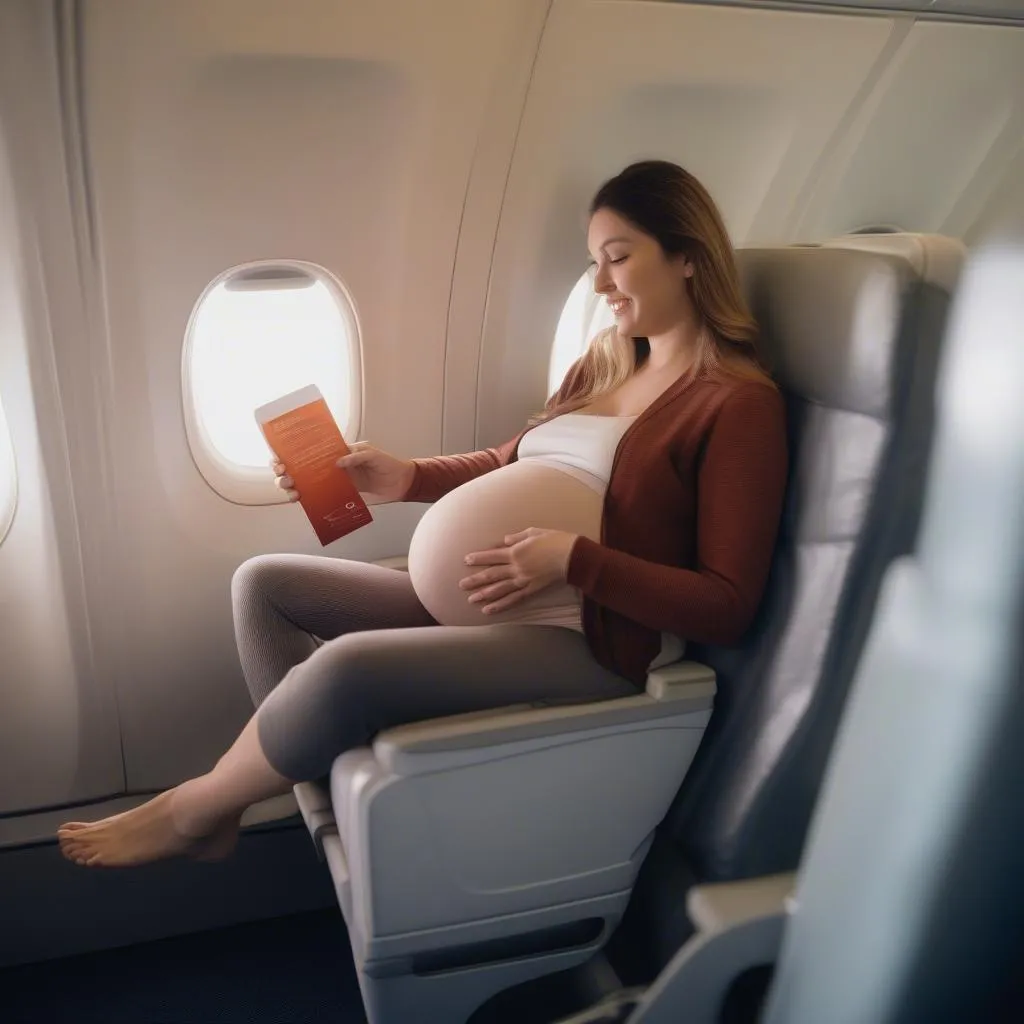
[
  {"x": 257, "y": 333},
  {"x": 8, "y": 478},
  {"x": 585, "y": 314}
]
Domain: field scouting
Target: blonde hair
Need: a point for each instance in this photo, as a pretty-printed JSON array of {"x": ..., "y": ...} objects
[{"x": 673, "y": 207}]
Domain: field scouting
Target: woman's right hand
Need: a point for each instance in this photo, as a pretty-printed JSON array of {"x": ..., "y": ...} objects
[{"x": 377, "y": 475}]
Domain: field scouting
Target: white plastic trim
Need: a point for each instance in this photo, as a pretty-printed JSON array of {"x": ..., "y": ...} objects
[
  {"x": 8, "y": 479},
  {"x": 245, "y": 485}
]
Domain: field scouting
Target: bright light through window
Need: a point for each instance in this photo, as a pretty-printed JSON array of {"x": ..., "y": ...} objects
[
  {"x": 8, "y": 478},
  {"x": 585, "y": 315},
  {"x": 257, "y": 336}
]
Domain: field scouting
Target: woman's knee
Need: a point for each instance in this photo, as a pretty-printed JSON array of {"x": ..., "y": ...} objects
[
  {"x": 350, "y": 663},
  {"x": 329, "y": 690},
  {"x": 348, "y": 678},
  {"x": 261, "y": 577}
]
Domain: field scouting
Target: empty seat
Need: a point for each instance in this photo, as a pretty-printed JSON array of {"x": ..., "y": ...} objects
[
  {"x": 473, "y": 853},
  {"x": 927, "y": 922}
]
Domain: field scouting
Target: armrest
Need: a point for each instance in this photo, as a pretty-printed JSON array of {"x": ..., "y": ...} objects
[
  {"x": 715, "y": 908},
  {"x": 680, "y": 679},
  {"x": 522, "y": 810},
  {"x": 683, "y": 688},
  {"x": 314, "y": 800},
  {"x": 741, "y": 926}
]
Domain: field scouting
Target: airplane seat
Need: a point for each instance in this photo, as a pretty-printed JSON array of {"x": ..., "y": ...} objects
[
  {"x": 853, "y": 329},
  {"x": 475, "y": 853},
  {"x": 907, "y": 902}
]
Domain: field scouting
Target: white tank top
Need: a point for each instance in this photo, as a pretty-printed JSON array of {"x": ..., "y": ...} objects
[
  {"x": 584, "y": 446},
  {"x": 581, "y": 445}
]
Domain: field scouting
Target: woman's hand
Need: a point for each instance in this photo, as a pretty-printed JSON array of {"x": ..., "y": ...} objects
[
  {"x": 376, "y": 475},
  {"x": 282, "y": 479},
  {"x": 529, "y": 562}
]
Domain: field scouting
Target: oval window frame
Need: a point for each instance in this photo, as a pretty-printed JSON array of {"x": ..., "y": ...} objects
[{"x": 248, "y": 485}]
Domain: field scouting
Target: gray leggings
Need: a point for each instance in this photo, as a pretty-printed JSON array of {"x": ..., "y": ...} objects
[{"x": 379, "y": 660}]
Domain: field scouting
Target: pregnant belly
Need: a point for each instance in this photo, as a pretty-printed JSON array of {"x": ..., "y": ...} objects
[{"x": 476, "y": 517}]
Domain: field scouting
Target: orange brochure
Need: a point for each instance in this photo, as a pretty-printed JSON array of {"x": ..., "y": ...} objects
[{"x": 302, "y": 434}]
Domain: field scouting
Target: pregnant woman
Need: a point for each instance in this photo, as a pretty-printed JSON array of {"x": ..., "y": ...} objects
[{"x": 638, "y": 511}]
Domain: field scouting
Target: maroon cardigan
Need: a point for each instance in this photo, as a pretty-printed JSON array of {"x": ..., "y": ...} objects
[{"x": 690, "y": 517}]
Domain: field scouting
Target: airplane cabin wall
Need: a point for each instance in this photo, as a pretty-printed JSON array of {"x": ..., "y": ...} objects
[
  {"x": 59, "y": 739},
  {"x": 437, "y": 159},
  {"x": 219, "y": 135},
  {"x": 932, "y": 139},
  {"x": 58, "y": 730},
  {"x": 802, "y": 125},
  {"x": 722, "y": 91}
]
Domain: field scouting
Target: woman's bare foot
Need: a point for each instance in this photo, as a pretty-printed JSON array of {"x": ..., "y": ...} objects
[{"x": 147, "y": 833}]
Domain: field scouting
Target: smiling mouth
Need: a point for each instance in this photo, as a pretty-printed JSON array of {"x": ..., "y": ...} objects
[{"x": 618, "y": 305}]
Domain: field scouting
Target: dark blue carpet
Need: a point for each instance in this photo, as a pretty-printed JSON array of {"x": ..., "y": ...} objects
[{"x": 291, "y": 970}]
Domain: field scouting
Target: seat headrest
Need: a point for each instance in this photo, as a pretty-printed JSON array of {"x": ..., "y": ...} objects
[
  {"x": 936, "y": 259},
  {"x": 831, "y": 315}
]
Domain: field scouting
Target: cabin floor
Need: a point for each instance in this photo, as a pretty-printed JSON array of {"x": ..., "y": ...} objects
[{"x": 296, "y": 969}]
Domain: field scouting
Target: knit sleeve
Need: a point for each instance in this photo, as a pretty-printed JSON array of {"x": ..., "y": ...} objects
[
  {"x": 435, "y": 477},
  {"x": 740, "y": 489}
]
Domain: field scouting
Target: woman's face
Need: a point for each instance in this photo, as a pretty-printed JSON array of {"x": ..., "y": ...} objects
[{"x": 645, "y": 289}]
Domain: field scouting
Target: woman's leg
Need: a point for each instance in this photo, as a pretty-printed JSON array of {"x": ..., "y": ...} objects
[
  {"x": 340, "y": 697},
  {"x": 360, "y": 684},
  {"x": 199, "y": 818},
  {"x": 281, "y": 602}
]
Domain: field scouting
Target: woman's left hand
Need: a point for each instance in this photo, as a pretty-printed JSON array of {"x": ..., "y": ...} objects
[{"x": 530, "y": 561}]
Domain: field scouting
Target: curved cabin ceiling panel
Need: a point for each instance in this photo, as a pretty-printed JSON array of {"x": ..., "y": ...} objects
[
  {"x": 721, "y": 90},
  {"x": 988, "y": 10},
  {"x": 932, "y": 140}
]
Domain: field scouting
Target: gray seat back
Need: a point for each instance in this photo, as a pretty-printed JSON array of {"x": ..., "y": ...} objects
[
  {"x": 852, "y": 331},
  {"x": 921, "y": 816}
]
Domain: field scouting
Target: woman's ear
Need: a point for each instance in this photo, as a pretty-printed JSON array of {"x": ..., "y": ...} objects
[{"x": 683, "y": 260}]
